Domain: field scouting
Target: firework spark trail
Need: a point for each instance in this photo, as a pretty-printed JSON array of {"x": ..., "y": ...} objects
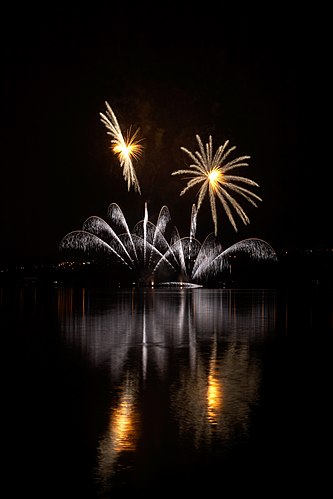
[
  {"x": 207, "y": 252},
  {"x": 177, "y": 249},
  {"x": 193, "y": 227},
  {"x": 145, "y": 220},
  {"x": 97, "y": 226},
  {"x": 126, "y": 148},
  {"x": 186, "y": 256},
  {"x": 162, "y": 221},
  {"x": 210, "y": 171},
  {"x": 116, "y": 216},
  {"x": 217, "y": 261},
  {"x": 86, "y": 242}
]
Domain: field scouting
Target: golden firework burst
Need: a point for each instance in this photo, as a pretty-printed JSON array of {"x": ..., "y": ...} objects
[
  {"x": 126, "y": 148},
  {"x": 211, "y": 171}
]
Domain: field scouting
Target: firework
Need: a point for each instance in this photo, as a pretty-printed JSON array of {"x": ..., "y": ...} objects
[
  {"x": 211, "y": 171},
  {"x": 125, "y": 148},
  {"x": 146, "y": 252}
]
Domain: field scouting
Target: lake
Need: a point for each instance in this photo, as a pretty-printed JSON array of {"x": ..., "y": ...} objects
[{"x": 166, "y": 390}]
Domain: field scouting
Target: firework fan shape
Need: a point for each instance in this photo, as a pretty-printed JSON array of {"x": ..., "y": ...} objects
[
  {"x": 212, "y": 172},
  {"x": 125, "y": 147},
  {"x": 147, "y": 253}
]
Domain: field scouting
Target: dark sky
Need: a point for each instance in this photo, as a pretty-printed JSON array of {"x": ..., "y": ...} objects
[{"x": 259, "y": 81}]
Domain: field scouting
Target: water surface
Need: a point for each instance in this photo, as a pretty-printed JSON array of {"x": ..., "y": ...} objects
[{"x": 159, "y": 390}]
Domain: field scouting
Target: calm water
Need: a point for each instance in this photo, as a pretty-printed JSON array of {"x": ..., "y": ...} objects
[{"x": 167, "y": 390}]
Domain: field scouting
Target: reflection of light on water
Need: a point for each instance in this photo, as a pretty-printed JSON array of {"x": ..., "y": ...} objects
[
  {"x": 65, "y": 301},
  {"x": 121, "y": 435},
  {"x": 215, "y": 402},
  {"x": 122, "y": 426},
  {"x": 203, "y": 337},
  {"x": 214, "y": 398},
  {"x": 214, "y": 391},
  {"x": 83, "y": 300}
]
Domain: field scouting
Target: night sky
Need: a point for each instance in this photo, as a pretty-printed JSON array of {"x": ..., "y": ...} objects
[{"x": 258, "y": 81}]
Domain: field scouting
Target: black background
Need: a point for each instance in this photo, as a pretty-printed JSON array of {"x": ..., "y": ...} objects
[{"x": 258, "y": 79}]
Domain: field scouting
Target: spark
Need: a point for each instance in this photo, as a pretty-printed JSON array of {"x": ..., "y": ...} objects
[
  {"x": 125, "y": 148},
  {"x": 212, "y": 172},
  {"x": 146, "y": 252}
]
